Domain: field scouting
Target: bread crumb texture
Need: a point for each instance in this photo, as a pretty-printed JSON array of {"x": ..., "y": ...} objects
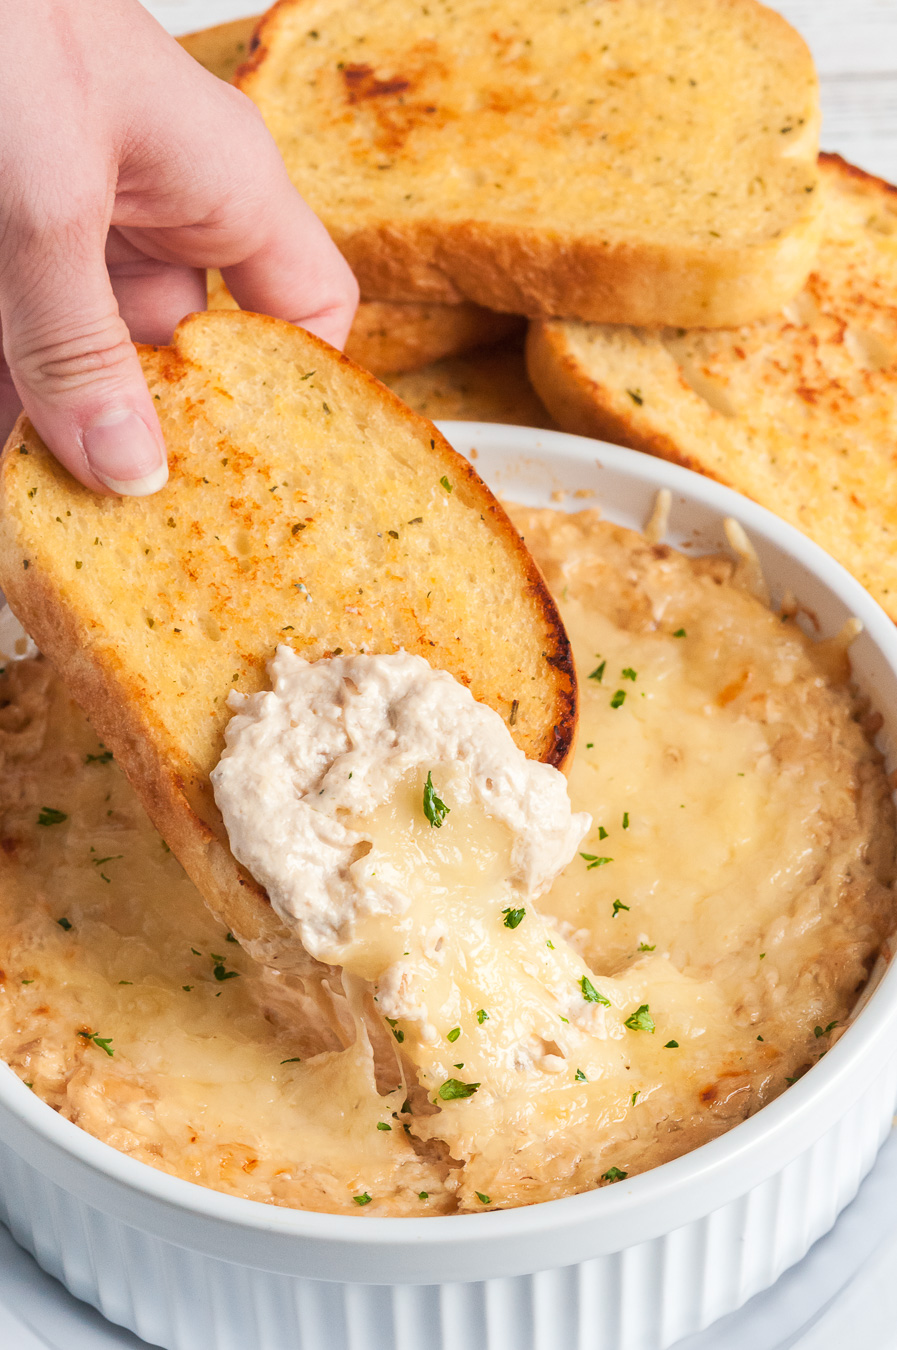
[
  {"x": 798, "y": 411},
  {"x": 620, "y": 160}
]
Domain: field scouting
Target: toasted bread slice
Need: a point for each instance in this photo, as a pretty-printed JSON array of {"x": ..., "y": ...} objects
[
  {"x": 798, "y": 412},
  {"x": 388, "y": 339},
  {"x": 633, "y": 161},
  {"x": 306, "y": 505},
  {"x": 487, "y": 385}
]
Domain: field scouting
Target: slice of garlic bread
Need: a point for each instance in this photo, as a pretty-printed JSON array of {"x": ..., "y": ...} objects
[
  {"x": 628, "y": 161},
  {"x": 306, "y": 505},
  {"x": 389, "y": 339},
  {"x": 798, "y": 412}
]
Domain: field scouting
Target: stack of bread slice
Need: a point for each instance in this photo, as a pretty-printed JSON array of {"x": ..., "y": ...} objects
[{"x": 798, "y": 411}]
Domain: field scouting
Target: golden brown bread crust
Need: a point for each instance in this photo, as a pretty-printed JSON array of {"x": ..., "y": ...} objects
[
  {"x": 581, "y": 404},
  {"x": 145, "y": 606},
  {"x": 405, "y": 90},
  {"x": 522, "y": 272}
]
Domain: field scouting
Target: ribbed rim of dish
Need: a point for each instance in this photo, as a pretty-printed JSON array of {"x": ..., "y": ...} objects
[{"x": 793, "y": 1111}]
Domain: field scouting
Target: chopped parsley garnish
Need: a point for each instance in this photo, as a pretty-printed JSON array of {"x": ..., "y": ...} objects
[
  {"x": 633, "y": 1099},
  {"x": 50, "y": 816},
  {"x": 594, "y": 861},
  {"x": 435, "y": 808},
  {"x": 102, "y": 1042},
  {"x": 618, "y": 699},
  {"x": 102, "y": 758},
  {"x": 636, "y": 396},
  {"x": 628, "y": 674},
  {"x": 598, "y": 672},
  {"x": 363, "y": 1199},
  {"x": 579, "y": 1077},
  {"x": 590, "y": 745},
  {"x": 591, "y": 994},
  {"x": 482, "y": 1016},
  {"x": 187, "y": 988},
  {"x": 618, "y": 905},
  {"x": 453, "y": 1090},
  {"x": 625, "y": 820},
  {"x": 824, "y": 1031},
  {"x": 396, "y": 1031},
  {"x": 445, "y": 483},
  {"x": 423, "y": 1195},
  {"x": 513, "y": 917},
  {"x": 294, "y": 1060},
  {"x": 32, "y": 981},
  {"x": 759, "y": 1038},
  {"x": 230, "y": 937},
  {"x": 382, "y": 1125},
  {"x": 614, "y": 1173},
  {"x": 453, "y": 1034},
  {"x": 64, "y": 923},
  {"x": 671, "y": 1045},
  {"x": 645, "y": 947},
  {"x": 640, "y": 1020},
  {"x": 483, "y": 1199},
  {"x": 791, "y": 1080},
  {"x": 220, "y": 973},
  {"x": 602, "y": 832},
  {"x": 550, "y": 944},
  {"x": 680, "y": 632}
]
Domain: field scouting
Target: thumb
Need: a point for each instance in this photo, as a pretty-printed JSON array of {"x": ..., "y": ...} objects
[{"x": 74, "y": 366}]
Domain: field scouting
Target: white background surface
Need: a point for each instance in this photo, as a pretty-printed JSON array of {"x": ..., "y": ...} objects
[{"x": 845, "y": 1293}]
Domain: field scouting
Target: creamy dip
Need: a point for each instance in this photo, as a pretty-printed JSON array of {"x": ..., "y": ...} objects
[
  {"x": 725, "y": 908},
  {"x": 332, "y": 741}
]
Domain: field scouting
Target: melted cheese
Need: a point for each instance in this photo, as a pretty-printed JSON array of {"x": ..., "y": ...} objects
[{"x": 756, "y": 865}]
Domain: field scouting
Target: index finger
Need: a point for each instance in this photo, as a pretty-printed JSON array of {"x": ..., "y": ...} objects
[{"x": 298, "y": 273}]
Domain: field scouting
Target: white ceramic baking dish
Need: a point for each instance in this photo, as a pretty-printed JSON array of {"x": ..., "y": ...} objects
[{"x": 634, "y": 1266}]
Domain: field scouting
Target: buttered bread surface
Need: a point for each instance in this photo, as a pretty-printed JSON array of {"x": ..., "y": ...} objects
[
  {"x": 641, "y": 161},
  {"x": 728, "y": 903}
]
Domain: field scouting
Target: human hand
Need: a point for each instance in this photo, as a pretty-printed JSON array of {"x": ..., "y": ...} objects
[{"x": 126, "y": 169}]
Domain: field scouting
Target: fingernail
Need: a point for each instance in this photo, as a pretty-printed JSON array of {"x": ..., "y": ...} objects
[{"x": 125, "y": 455}]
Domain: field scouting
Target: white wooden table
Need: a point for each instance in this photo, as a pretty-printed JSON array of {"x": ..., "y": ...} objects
[{"x": 854, "y": 43}]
